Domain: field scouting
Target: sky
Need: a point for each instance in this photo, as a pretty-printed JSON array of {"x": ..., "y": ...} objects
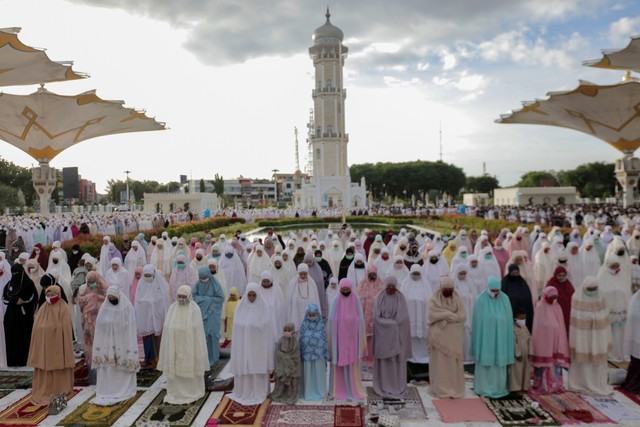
[{"x": 233, "y": 78}]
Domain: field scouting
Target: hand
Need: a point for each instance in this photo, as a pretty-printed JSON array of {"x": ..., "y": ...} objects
[
  {"x": 519, "y": 358},
  {"x": 19, "y": 302}
]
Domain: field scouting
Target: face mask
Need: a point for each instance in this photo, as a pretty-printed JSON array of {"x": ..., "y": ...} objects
[
  {"x": 521, "y": 322},
  {"x": 217, "y": 255},
  {"x": 173, "y": 244},
  {"x": 402, "y": 248},
  {"x": 415, "y": 276},
  {"x": 498, "y": 247},
  {"x": 113, "y": 301},
  {"x": 373, "y": 276},
  {"x": 349, "y": 257},
  {"x": 614, "y": 270},
  {"x": 74, "y": 252},
  {"x": 205, "y": 280},
  {"x": 433, "y": 260},
  {"x": 359, "y": 265},
  {"x": 620, "y": 252},
  {"x": 550, "y": 300},
  {"x": 495, "y": 293},
  {"x": 463, "y": 255},
  {"x": 287, "y": 334},
  {"x": 148, "y": 279},
  {"x": 278, "y": 266},
  {"x": 447, "y": 293},
  {"x": 318, "y": 258},
  {"x": 391, "y": 290},
  {"x": 199, "y": 258},
  {"x": 346, "y": 293},
  {"x": 593, "y": 293},
  {"x": 52, "y": 300},
  {"x": 180, "y": 265},
  {"x": 92, "y": 285},
  {"x": 488, "y": 256},
  {"x": 55, "y": 261},
  {"x": 385, "y": 257},
  {"x": 183, "y": 301}
]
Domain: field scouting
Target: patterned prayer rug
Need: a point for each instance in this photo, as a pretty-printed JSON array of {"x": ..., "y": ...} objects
[
  {"x": 407, "y": 409},
  {"x": 88, "y": 414},
  {"x": 463, "y": 410},
  {"x": 299, "y": 416},
  {"x": 366, "y": 372},
  {"x": 348, "y": 416},
  {"x": 612, "y": 408},
  {"x": 23, "y": 413},
  {"x": 632, "y": 396},
  {"x": 166, "y": 414},
  {"x": 231, "y": 413},
  {"x": 558, "y": 404},
  {"x": 517, "y": 410},
  {"x": 81, "y": 374},
  {"x": 11, "y": 380},
  {"x": 146, "y": 377},
  {"x": 218, "y": 367}
]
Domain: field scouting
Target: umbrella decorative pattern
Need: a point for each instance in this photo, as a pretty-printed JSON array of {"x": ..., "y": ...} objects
[
  {"x": 621, "y": 59},
  {"x": 44, "y": 124},
  {"x": 24, "y": 65},
  {"x": 610, "y": 113}
]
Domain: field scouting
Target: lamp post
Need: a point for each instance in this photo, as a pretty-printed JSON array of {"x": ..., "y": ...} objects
[
  {"x": 275, "y": 180},
  {"x": 128, "y": 194}
]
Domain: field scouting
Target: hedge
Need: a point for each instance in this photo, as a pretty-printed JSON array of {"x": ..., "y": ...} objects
[
  {"x": 394, "y": 219},
  {"x": 91, "y": 243}
]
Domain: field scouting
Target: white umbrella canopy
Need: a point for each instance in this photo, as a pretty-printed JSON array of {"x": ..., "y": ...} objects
[
  {"x": 620, "y": 59},
  {"x": 24, "y": 65},
  {"x": 610, "y": 113},
  {"x": 44, "y": 124}
]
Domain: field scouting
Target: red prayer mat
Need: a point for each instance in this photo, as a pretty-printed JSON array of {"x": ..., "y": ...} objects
[
  {"x": 231, "y": 413},
  {"x": 23, "y": 413},
  {"x": 568, "y": 407},
  {"x": 463, "y": 410},
  {"x": 348, "y": 416}
]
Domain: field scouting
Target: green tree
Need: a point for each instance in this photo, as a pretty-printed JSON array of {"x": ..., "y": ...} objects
[
  {"x": 17, "y": 177},
  {"x": 538, "y": 179},
  {"x": 202, "y": 187},
  {"x": 218, "y": 184},
  {"x": 8, "y": 197},
  {"x": 482, "y": 184},
  {"x": 591, "y": 179}
]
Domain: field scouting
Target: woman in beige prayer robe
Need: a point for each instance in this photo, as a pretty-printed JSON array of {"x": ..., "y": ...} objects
[
  {"x": 51, "y": 350},
  {"x": 446, "y": 341}
]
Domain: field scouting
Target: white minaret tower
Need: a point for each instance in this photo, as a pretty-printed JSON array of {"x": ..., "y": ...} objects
[{"x": 328, "y": 138}]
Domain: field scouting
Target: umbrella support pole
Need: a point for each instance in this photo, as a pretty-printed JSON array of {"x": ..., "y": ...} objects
[{"x": 44, "y": 179}]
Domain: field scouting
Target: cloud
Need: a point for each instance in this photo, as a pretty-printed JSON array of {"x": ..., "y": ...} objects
[{"x": 623, "y": 28}]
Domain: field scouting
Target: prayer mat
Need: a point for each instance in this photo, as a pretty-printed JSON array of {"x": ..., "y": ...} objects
[
  {"x": 613, "y": 409},
  {"x": 231, "y": 413},
  {"x": 89, "y": 414},
  {"x": 463, "y": 410},
  {"x": 218, "y": 367},
  {"x": 515, "y": 410},
  {"x": 632, "y": 396},
  {"x": 407, "y": 409},
  {"x": 167, "y": 415},
  {"x": 146, "y": 377},
  {"x": 11, "y": 380},
  {"x": 366, "y": 372},
  {"x": 561, "y": 405},
  {"x": 348, "y": 416},
  {"x": 299, "y": 416},
  {"x": 23, "y": 413},
  {"x": 81, "y": 374}
]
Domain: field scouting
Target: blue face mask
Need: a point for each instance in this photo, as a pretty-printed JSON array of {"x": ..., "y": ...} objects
[
  {"x": 229, "y": 255},
  {"x": 591, "y": 293},
  {"x": 217, "y": 255},
  {"x": 318, "y": 258},
  {"x": 180, "y": 266}
]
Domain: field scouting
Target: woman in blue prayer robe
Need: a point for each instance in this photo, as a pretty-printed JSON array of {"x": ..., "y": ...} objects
[
  {"x": 315, "y": 354},
  {"x": 209, "y": 296}
]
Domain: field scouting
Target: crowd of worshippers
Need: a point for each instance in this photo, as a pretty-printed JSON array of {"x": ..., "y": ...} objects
[{"x": 310, "y": 314}]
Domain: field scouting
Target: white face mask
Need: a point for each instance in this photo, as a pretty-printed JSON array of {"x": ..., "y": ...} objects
[
  {"x": 521, "y": 322},
  {"x": 148, "y": 279}
]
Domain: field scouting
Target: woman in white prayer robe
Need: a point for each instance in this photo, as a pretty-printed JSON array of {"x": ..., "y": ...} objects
[
  {"x": 183, "y": 352},
  {"x": 118, "y": 276},
  {"x": 302, "y": 292},
  {"x": 252, "y": 352},
  {"x": 233, "y": 269},
  {"x": 136, "y": 257},
  {"x": 115, "y": 350}
]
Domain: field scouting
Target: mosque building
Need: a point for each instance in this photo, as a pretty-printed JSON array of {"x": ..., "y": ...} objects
[{"x": 330, "y": 184}]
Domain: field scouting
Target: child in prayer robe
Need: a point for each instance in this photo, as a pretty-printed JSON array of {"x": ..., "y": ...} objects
[
  {"x": 230, "y": 310},
  {"x": 520, "y": 372},
  {"x": 287, "y": 367}
]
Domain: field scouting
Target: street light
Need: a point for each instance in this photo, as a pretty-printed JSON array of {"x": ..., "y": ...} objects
[
  {"x": 128, "y": 194},
  {"x": 275, "y": 180}
]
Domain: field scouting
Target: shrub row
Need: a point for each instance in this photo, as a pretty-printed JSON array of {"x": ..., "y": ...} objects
[{"x": 394, "y": 219}]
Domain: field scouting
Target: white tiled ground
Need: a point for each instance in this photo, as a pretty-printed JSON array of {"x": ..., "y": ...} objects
[{"x": 214, "y": 398}]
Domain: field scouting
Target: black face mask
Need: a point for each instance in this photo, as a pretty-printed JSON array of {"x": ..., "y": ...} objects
[
  {"x": 113, "y": 301},
  {"x": 620, "y": 252},
  {"x": 346, "y": 293},
  {"x": 433, "y": 261},
  {"x": 358, "y": 265}
]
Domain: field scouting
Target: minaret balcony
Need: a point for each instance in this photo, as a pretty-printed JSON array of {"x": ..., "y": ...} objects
[
  {"x": 328, "y": 90},
  {"x": 327, "y": 135}
]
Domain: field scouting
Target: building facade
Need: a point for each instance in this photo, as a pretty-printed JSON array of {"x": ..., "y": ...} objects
[
  {"x": 330, "y": 185},
  {"x": 524, "y": 196}
]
